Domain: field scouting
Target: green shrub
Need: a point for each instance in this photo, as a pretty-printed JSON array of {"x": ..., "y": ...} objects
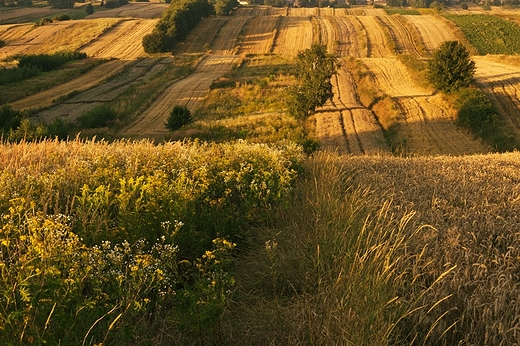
[
  {"x": 45, "y": 62},
  {"x": 89, "y": 9},
  {"x": 61, "y": 17},
  {"x": 61, "y": 3},
  {"x": 2, "y": 43},
  {"x": 12, "y": 75},
  {"x": 451, "y": 67},
  {"x": 154, "y": 42},
  {"x": 464, "y": 6},
  {"x": 44, "y": 21},
  {"x": 100, "y": 116},
  {"x": 179, "y": 116},
  {"x": 9, "y": 119}
]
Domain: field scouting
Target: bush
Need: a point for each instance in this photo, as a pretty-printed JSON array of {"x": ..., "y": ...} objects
[
  {"x": 12, "y": 75},
  {"x": 115, "y": 3},
  {"x": 61, "y": 3},
  {"x": 44, "y": 21},
  {"x": 464, "y": 6},
  {"x": 24, "y": 3},
  {"x": 45, "y": 62},
  {"x": 89, "y": 9},
  {"x": 9, "y": 119},
  {"x": 451, "y": 67},
  {"x": 2, "y": 43},
  {"x": 154, "y": 42},
  {"x": 179, "y": 116},
  {"x": 61, "y": 17},
  {"x": 100, "y": 116}
]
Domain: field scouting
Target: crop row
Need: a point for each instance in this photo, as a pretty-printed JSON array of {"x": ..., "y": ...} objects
[{"x": 489, "y": 34}]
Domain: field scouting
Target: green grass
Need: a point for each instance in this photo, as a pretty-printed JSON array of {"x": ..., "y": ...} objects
[
  {"x": 402, "y": 11},
  {"x": 489, "y": 34}
]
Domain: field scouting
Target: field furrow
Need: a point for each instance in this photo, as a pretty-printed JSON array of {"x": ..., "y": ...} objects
[
  {"x": 123, "y": 41},
  {"x": 501, "y": 83},
  {"x": 376, "y": 40},
  {"x": 402, "y": 37},
  {"x": 90, "y": 79},
  {"x": 259, "y": 35},
  {"x": 225, "y": 43},
  {"x": 295, "y": 35},
  {"x": 347, "y": 30},
  {"x": 325, "y": 33},
  {"x": 433, "y": 31},
  {"x": 188, "y": 92},
  {"x": 330, "y": 132}
]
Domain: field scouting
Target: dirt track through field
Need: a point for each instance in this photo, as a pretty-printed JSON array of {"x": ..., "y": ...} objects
[
  {"x": 123, "y": 41},
  {"x": 347, "y": 29},
  {"x": 376, "y": 41},
  {"x": 188, "y": 92},
  {"x": 501, "y": 83},
  {"x": 90, "y": 79},
  {"x": 426, "y": 121}
]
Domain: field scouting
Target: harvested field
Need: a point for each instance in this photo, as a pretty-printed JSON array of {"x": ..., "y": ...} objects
[
  {"x": 401, "y": 35},
  {"x": 200, "y": 39},
  {"x": 432, "y": 31},
  {"x": 90, "y": 79},
  {"x": 28, "y": 39},
  {"x": 123, "y": 41},
  {"x": 105, "y": 92},
  {"x": 188, "y": 92},
  {"x": 347, "y": 127},
  {"x": 295, "y": 34},
  {"x": 226, "y": 41},
  {"x": 143, "y": 10},
  {"x": 501, "y": 83},
  {"x": 426, "y": 121},
  {"x": 347, "y": 30},
  {"x": 26, "y": 14},
  {"x": 376, "y": 41},
  {"x": 324, "y": 33},
  {"x": 259, "y": 35}
]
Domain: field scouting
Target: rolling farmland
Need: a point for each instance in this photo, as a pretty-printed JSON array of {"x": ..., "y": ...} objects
[{"x": 345, "y": 125}]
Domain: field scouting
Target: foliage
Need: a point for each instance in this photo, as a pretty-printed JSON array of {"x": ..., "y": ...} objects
[
  {"x": 179, "y": 116},
  {"x": 464, "y": 6},
  {"x": 489, "y": 34},
  {"x": 102, "y": 243},
  {"x": 61, "y": 17},
  {"x": 61, "y": 3},
  {"x": 315, "y": 68},
  {"x": 45, "y": 62},
  {"x": 115, "y": 3},
  {"x": 2, "y": 43},
  {"x": 475, "y": 111},
  {"x": 9, "y": 119},
  {"x": 12, "y": 75},
  {"x": 451, "y": 67},
  {"x": 176, "y": 23},
  {"x": 224, "y": 7},
  {"x": 89, "y": 9},
  {"x": 44, "y": 21},
  {"x": 100, "y": 116}
]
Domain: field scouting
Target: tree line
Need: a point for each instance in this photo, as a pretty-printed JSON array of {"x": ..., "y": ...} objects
[{"x": 179, "y": 19}]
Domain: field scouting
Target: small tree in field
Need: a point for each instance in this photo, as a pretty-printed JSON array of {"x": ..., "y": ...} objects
[
  {"x": 179, "y": 116},
  {"x": 451, "y": 67},
  {"x": 315, "y": 68},
  {"x": 89, "y": 9}
]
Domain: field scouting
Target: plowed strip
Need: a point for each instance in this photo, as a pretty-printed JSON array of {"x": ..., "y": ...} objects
[
  {"x": 432, "y": 30},
  {"x": 104, "y": 92},
  {"x": 376, "y": 41},
  {"x": 122, "y": 41},
  {"x": 86, "y": 81},
  {"x": 199, "y": 40},
  {"x": 501, "y": 83},
  {"x": 426, "y": 122},
  {"x": 295, "y": 35},
  {"x": 226, "y": 41},
  {"x": 259, "y": 36},
  {"x": 189, "y": 91}
]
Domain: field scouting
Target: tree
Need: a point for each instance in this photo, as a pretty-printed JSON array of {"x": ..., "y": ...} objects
[
  {"x": 89, "y": 9},
  {"x": 315, "y": 68},
  {"x": 451, "y": 67},
  {"x": 179, "y": 116}
]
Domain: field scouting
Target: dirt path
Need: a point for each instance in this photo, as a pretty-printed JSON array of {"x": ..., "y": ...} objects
[
  {"x": 376, "y": 41},
  {"x": 123, "y": 41},
  {"x": 347, "y": 127},
  {"x": 426, "y": 121},
  {"x": 28, "y": 39},
  {"x": 144, "y": 10},
  {"x": 88, "y": 80},
  {"x": 188, "y": 92},
  {"x": 433, "y": 31},
  {"x": 295, "y": 34},
  {"x": 501, "y": 83}
]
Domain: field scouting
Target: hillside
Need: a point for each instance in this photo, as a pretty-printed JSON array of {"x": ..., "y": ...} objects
[{"x": 378, "y": 220}]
